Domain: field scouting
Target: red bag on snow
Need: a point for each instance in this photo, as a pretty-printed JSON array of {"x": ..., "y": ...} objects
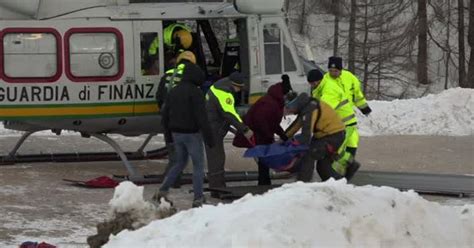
[
  {"x": 102, "y": 182},
  {"x": 29, "y": 244}
]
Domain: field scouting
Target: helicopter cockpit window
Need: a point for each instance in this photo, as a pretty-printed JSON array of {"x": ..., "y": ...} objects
[
  {"x": 31, "y": 56},
  {"x": 149, "y": 49},
  {"x": 272, "y": 47},
  {"x": 93, "y": 55}
]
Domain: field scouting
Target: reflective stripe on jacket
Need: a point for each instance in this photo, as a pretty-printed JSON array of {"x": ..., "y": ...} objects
[
  {"x": 221, "y": 108},
  {"x": 351, "y": 86},
  {"x": 330, "y": 92}
]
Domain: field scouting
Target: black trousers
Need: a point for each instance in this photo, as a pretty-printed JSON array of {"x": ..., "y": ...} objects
[
  {"x": 263, "y": 175},
  {"x": 324, "y": 166}
]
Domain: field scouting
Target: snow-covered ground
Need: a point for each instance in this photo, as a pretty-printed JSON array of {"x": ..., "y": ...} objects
[{"x": 330, "y": 214}]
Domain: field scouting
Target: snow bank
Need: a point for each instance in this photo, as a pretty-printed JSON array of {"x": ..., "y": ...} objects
[
  {"x": 330, "y": 214},
  {"x": 449, "y": 113}
]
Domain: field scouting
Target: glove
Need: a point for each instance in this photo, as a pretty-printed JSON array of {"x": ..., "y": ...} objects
[
  {"x": 366, "y": 111},
  {"x": 248, "y": 134}
]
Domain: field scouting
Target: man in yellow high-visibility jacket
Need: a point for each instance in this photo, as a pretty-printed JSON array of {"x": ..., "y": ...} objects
[
  {"x": 351, "y": 87},
  {"x": 330, "y": 92}
]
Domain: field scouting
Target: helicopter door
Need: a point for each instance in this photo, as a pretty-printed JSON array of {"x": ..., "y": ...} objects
[
  {"x": 148, "y": 64},
  {"x": 278, "y": 53}
]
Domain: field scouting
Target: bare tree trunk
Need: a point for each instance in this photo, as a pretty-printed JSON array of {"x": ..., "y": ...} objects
[
  {"x": 462, "y": 52},
  {"x": 365, "y": 47},
  {"x": 470, "y": 40},
  {"x": 422, "y": 70},
  {"x": 303, "y": 18},
  {"x": 448, "y": 47},
  {"x": 352, "y": 24},
  {"x": 336, "y": 26}
]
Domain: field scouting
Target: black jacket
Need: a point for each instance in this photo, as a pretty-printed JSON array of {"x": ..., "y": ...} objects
[{"x": 184, "y": 110}]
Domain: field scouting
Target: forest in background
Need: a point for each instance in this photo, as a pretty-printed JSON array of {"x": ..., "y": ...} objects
[{"x": 397, "y": 48}]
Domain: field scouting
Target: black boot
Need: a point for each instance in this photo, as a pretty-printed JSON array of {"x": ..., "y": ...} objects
[{"x": 351, "y": 169}]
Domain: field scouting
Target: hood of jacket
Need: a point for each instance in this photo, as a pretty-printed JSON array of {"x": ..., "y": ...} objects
[
  {"x": 276, "y": 92},
  {"x": 193, "y": 74}
]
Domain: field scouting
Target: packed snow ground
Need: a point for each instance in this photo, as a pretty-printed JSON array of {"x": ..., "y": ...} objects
[
  {"x": 330, "y": 214},
  {"x": 450, "y": 113}
]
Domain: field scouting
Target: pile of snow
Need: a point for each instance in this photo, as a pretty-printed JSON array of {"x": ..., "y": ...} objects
[
  {"x": 330, "y": 214},
  {"x": 128, "y": 198},
  {"x": 450, "y": 113}
]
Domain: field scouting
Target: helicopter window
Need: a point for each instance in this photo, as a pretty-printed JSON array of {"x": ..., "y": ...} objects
[
  {"x": 94, "y": 54},
  {"x": 149, "y": 50},
  {"x": 272, "y": 47},
  {"x": 31, "y": 56}
]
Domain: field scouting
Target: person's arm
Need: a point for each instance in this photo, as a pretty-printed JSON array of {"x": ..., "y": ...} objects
[
  {"x": 359, "y": 99},
  {"x": 161, "y": 92},
  {"x": 200, "y": 115},
  {"x": 294, "y": 127},
  {"x": 165, "y": 122},
  {"x": 232, "y": 117}
]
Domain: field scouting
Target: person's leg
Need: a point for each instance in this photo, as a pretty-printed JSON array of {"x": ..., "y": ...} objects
[
  {"x": 352, "y": 140},
  {"x": 306, "y": 169},
  {"x": 215, "y": 164},
  {"x": 326, "y": 171},
  {"x": 263, "y": 174},
  {"x": 196, "y": 152},
  {"x": 171, "y": 162},
  {"x": 181, "y": 158}
]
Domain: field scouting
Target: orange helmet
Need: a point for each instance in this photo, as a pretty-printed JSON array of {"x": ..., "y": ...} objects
[
  {"x": 185, "y": 38},
  {"x": 188, "y": 56}
]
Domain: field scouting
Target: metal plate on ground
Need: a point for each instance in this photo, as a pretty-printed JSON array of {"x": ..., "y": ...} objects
[
  {"x": 420, "y": 182},
  {"x": 235, "y": 192},
  {"x": 443, "y": 184}
]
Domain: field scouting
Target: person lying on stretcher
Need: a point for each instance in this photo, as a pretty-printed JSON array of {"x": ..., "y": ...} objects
[{"x": 321, "y": 139}]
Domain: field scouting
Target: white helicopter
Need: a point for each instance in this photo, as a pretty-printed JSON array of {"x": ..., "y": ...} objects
[{"x": 78, "y": 65}]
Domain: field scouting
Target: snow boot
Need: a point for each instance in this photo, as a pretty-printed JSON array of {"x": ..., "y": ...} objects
[
  {"x": 198, "y": 202},
  {"x": 156, "y": 199},
  {"x": 351, "y": 169}
]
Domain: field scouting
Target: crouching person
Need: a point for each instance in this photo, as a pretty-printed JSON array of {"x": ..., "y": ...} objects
[
  {"x": 184, "y": 119},
  {"x": 323, "y": 132}
]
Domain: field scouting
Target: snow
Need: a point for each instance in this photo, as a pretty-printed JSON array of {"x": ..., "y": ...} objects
[
  {"x": 129, "y": 198},
  {"x": 450, "y": 113},
  {"x": 329, "y": 214}
]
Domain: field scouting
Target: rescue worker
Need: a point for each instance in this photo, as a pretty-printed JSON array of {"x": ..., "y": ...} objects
[
  {"x": 264, "y": 118},
  {"x": 351, "y": 87},
  {"x": 176, "y": 37},
  {"x": 222, "y": 115},
  {"x": 322, "y": 131},
  {"x": 185, "y": 122},
  {"x": 167, "y": 82},
  {"x": 331, "y": 93}
]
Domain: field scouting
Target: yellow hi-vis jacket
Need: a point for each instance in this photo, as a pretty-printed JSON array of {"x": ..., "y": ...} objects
[
  {"x": 330, "y": 92},
  {"x": 351, "y": 86}
]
